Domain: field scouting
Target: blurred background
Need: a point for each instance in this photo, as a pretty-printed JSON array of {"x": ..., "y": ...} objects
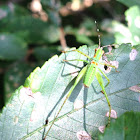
[{"x": 32, "y": 31}]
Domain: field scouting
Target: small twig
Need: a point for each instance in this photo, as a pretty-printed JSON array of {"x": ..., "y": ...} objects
[{"x": 62, "y": 38}]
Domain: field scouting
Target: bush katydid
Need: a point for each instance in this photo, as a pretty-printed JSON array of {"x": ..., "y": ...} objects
[{"x": 88, "y": 73}]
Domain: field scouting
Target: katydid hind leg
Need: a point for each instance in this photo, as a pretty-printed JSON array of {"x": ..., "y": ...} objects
[
  {"x": 105, "y": 77},
  {"x": 79, "y": 77},
  {"x": 100, "y": 80}
]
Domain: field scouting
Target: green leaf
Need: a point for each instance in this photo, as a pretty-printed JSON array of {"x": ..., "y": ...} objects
[
  {"x": 88, "y": 24},
  {"x": 125, "y": 127},
  {"x": 84, "y": 39},
  {"x": 44, "y": 53},
  {"x": 55, "y": 17},
  {"x": 33, "y": 30},
  {"x": 133, "y": 18},
  {"x": 131, "y": 33},
  {"x": 130, "y": 3},
  {"x": 123, "y": 33},
  {"x": 107, "y": 39},
  {"x": 43, "y": 93},
  {"x": 12, "y": 47},
  {"x": 12, "y": 10},
  {"x": 85, "y": 33}
]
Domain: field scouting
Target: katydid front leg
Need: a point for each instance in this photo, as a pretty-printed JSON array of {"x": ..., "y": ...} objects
[{"x": 79, "y": 77}]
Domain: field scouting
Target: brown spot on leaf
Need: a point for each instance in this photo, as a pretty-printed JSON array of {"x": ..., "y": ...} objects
[
  {"x": 83, "y": 135},
  {"x": 133, "y": 54},
  {"x": 101, "y": 129},
  {"x": 135, "y": 88},
  {"x": 113, "y": 114}
]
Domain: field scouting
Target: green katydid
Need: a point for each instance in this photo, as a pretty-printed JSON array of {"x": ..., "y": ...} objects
[{"x": 88, "y": 73}]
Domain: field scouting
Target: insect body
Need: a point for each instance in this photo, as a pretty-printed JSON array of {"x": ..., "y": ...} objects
[
  {"x": 88, "y": 73},
  {"x": 92, "y": 67}
]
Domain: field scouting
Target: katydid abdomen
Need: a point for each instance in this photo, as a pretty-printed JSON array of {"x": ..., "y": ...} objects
[{"x": 89, "y": 75}]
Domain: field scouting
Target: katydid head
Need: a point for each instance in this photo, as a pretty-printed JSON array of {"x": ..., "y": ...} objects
[{"x": 98, "y": 53}]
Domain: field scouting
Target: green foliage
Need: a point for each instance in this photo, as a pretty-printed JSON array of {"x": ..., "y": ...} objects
[
  {"x": 123, "y": 33},
  {"x": 125, "y": 127},
  {"x": 43, "y": 53},
  {"x": 130, "y": 3},
  {"x": 12, "y": 47},
  {"x": 26, "y": 27},
  {"x": 82, "y": 34},
  {"x": 31, "y": 29},
  {"x": 133, "y": 18},
  {"x": 15, "y": 77},
  {"x": 53, "y": 11},
  {"x": 44, "y": 89}
]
